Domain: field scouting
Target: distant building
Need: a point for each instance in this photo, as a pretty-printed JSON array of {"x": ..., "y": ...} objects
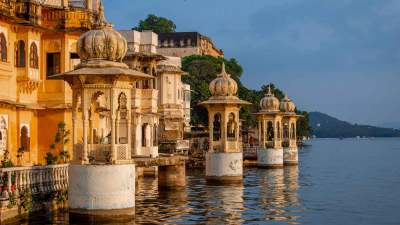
[
  {"x": 185, "y": 97},
  {"x": 181, "y": 44},
  {"x": 164, "y": 106}
]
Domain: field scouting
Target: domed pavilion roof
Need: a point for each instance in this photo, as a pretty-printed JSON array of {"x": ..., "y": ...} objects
[
  {"x": 269, "y": 103},
  {"x": 223, "y": 85},
  {"x": 286, "y": 105},
  {"x": 102, "y": 42}
]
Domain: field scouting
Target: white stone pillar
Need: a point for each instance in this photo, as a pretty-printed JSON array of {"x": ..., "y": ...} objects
[
  {"x": 74, "y": 128},
  {"x": 151, "y": 135},
  {"x": 211, "y": 130},
  {"x": 224, "y": 130},
  {"x": 16, "y": 192},
  {"x": 134, "y": 141},
  {"x": 74, "y": 134},
  {"x": 113, "y": 105},
  {"x": 260, "y": 138},
  {"x": 112, "y": 138},
  {"x": 91, "y": 138},
  {"x": 85, "y": 137},
  {"x": 128, "y": 135},
  {"x": 275, "y": 134},
  {"x": 264, "y": 133},
  {"x": 118, "y": 119}
]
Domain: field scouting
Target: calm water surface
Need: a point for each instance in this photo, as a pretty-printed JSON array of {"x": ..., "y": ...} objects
[{"x": 336, "y": 182}]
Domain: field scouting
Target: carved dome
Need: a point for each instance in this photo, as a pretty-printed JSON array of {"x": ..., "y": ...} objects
[
  {"x": 269, "y": 103},
  {"x": 286, "y": 105},
  {"x": 223, "y": 85},
  {"x": 102, "y": 42}
]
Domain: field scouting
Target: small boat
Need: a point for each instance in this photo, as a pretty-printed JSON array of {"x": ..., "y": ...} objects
[
  {"x": 313, "y": 136},
  {"x": 326, "y": 138},
  {"x": 341, "y": 138},
  {"x": 372, "y": 138},
  {"x": 363, "y": 137},
  {"x": 357, "y": 137}
]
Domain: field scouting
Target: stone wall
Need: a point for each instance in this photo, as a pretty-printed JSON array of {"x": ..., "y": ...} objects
[
  {"x": 171, "y": 133},
  {"x": 197, "y": 152}
]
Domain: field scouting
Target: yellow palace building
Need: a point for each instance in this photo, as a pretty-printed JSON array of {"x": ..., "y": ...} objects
[{"x": 38, "y": 39}]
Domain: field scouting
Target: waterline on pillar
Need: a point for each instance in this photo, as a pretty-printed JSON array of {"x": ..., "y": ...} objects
[
  {"x": 270, "y": 158},
  {"x": 224, "y": 168},
  {"x": 102, "y": 192},
  {"x": 290, "y": 156}
]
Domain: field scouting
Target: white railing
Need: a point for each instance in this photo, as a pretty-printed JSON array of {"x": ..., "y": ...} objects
[
  {"x": 250, "y": 150},
  {"x": 50, "y": 2},
  {"x": 38, "y": 179}
]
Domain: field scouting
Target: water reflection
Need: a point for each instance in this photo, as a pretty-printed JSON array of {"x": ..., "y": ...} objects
[
  {"x": 278, "y": 193},
  {"x": 155, "y": 205},
  {"x": 265, "y": 194},
  {"x": 224, "y": 203}
]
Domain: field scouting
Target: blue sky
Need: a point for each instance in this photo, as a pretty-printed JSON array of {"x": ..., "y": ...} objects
[{"x": 337, "y": 57}]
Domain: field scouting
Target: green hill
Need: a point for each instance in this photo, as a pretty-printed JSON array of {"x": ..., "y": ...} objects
[{"x": 326, "y": 126}]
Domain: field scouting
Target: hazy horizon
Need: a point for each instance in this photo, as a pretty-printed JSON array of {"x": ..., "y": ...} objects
[{"x": 336, "y": 57}]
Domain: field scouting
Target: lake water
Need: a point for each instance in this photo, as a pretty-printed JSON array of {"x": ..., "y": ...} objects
[{"x": 336, "y": 182}]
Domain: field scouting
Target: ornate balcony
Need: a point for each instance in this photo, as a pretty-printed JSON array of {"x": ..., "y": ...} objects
[{"x": 28, "y": 82}]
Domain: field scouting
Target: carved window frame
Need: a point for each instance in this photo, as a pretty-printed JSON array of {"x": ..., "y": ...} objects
[
  {"x": 3, "y": 48},
  {"x": 21, "y": 58},
  {"x": 33, "y": 55}
]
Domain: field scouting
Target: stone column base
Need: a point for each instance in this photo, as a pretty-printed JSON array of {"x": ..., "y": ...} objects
[
  {"x": 120, "y": 215},
  {"x": 102, "y": 191},
  {"x": 270, "y": 158},
  {"x": 172, "y": 176},
  {"x": 290, "y": 156},
  {"x": 224, "y": 167}
]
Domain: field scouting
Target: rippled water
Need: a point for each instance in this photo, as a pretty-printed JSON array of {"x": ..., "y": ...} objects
[{"x": 337, "y": 182}]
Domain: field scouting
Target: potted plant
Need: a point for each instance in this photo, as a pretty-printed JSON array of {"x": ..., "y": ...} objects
[
  {"x": 268, "y": 145},
  {"x": 5, "y": 182},
  {"x": 5, "y": 163}
]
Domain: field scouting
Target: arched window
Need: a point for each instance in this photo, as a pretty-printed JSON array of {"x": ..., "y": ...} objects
[
  {"x": 34, "y": 59},
  {"x": 21, "y": 54},
  {"x": 3, "y": 48}
]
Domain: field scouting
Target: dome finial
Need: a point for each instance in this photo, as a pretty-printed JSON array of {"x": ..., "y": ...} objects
[
  {"x": 101, "y": 20},
  {"x": 223, "y": 72},
  {"x": 269, "y": 92}
]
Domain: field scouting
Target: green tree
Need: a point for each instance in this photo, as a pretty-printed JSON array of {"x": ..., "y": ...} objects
[
  {"x": 61, "y": 140},
  {"x": 303, "y": 127},
  {"x": 156, "y": 24}
]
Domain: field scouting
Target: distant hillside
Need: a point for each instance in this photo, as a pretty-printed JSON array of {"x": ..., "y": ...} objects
[
  {"x": 334, "y": 128},
  {"x": 394, "y": 125}
]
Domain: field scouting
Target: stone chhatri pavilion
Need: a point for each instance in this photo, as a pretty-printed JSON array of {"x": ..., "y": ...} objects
[
  {"x": 277, "y": 132},
  {"x": 101, "y": 73},
  {"x": 224, "y": 161},
  {"x": 93, "y": 188}
]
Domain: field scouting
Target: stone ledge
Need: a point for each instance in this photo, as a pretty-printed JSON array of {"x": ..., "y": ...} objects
[{"x": 159, "y": 161}]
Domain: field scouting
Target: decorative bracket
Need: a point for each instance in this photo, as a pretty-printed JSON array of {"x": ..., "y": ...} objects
[{"x": 27, "y": 86}]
